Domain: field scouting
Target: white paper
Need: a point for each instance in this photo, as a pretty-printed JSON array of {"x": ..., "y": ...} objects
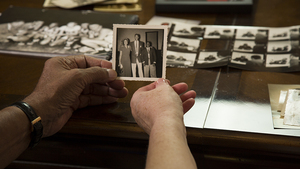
[{"x": 292, "y": 108}]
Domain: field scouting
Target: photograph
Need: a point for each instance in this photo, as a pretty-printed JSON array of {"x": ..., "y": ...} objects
[
  {"x": 139, "y": 51},
  {"x": 282, "y": 99},
  {"x": 219, "y": 32},
  {"x": 44, "y": 33},
  {"x": 279, "y": 47},
  {"x": 250, "y": 60},
  {"x": 260, "y": 35},
  {"x": 278, "y": 60},
  {"x": 243, "y": 46},
  {"x": 213, "y": 58},
  {"x": 184, "y": 45},
  {"x": 188, "y": 30},
  {"x": 279, "y": 34},
  {"x": 180, "y": 60}
]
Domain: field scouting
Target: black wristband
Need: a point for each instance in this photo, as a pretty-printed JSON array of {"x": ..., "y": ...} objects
[{"x": 37, "y": 127}]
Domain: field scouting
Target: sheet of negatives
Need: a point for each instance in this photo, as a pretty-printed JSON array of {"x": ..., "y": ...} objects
[
  {"x": 48, "y": 33},
  {"x": 139, "y": 51},
  {"x": 249, "y": 48}
]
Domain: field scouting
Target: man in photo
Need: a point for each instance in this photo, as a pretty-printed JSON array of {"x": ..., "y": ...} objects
[
  {"x": 149, "y": 59},
  {"x": 136, "y": 55}
]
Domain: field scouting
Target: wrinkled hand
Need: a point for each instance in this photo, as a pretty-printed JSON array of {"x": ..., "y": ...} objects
[
  {"x": 69, "y": 83},
  {"x": 160, "y": 102}
]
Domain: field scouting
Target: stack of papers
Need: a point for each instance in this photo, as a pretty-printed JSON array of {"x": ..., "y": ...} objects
[{"x": 100, "y": 5}]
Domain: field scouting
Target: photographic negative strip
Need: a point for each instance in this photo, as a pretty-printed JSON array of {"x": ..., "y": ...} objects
[{"x": 139, "y": 51}]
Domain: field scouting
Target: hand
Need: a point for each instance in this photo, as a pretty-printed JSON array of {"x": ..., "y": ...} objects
[
  {"x": 159, "y": 102},
  {"x": 69, "y": 83}
]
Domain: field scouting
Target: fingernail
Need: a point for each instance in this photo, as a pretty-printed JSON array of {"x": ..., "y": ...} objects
[
  {"x": 111, "y": 74},
  {"x": 161, "y": 81}
]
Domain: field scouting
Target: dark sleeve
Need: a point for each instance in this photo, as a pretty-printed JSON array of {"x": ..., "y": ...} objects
[{"x": 154, "y": 54}]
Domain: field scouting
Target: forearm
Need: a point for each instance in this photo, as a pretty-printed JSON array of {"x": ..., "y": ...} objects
[
  {"x": 15, "y": 131},
  {"x": 168, "y": 146}
]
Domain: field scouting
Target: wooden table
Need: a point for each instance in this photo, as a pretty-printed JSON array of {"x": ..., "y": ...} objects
[{"x": 107, "y": 136}]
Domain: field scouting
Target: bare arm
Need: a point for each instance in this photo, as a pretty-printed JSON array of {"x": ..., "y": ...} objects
[
  {"x": 159, "y": 110},
  {"x": 15, "y": 130},
  {"x": 168, "y": 146}
]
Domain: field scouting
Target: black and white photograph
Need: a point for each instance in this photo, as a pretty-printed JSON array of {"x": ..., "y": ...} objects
[
  {"x": 184, "y": 45},
  {"x": 279, "y": 34},
  {"x": 180, "y": 60},
  {"x": 40, "y": 32},
  {"x": 139, "y": 51},
  {"x": 278, "y": 60},
  {"x": 187, "y": 30},
  {"x": 213, "y": 58},
  {"x": 250, "y": 61},
  {"x": 219, "y": 32},
  {"x": 279, "y": 47},
  {"x": 251, "y": 33},
  {"x": 243, "y": 46}
]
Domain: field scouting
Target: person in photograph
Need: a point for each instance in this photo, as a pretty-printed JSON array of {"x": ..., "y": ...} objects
[
  {"x": 136, "y": 55},
  {"x": 124, "y": 58},
  {"x": 149, "y": 60}
]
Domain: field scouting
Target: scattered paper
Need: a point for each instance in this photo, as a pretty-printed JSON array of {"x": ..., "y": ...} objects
[
  {"x": 292, "y": 108},
  {"x": 285, "y": 106},
  {"x": 70, "y": 3},
  {"x": 119, "y": 8}
]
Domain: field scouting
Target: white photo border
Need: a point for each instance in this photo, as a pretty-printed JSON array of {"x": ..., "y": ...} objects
[{"x": 164, "y": 48}]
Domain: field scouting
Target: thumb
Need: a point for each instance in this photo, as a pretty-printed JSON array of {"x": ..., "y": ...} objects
[{"x": 161, "y": 82}]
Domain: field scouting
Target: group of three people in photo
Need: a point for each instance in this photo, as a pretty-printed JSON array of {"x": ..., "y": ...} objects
[{"x": 135, "y": 55}]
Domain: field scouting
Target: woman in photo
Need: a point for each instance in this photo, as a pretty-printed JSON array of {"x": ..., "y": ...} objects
[{"x": 124, "y": 59}]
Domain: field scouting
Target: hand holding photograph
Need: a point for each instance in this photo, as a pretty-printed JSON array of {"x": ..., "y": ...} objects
[{"x": 139, "y": 51}]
